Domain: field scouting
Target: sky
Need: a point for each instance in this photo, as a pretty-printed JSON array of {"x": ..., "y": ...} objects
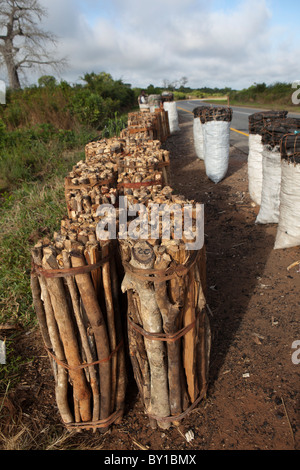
[{"x": 214, "y": 43}]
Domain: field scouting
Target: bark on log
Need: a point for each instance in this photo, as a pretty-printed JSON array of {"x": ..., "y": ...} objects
[
  {"x": 143, "y": 257},
  {"x": 84, "y": 338},
  {"x": 170, "y": 313},
  {"x": 68, "y": 336},
  {"x": 95, "y": 316},
  {"x": 61, "y": 376}
]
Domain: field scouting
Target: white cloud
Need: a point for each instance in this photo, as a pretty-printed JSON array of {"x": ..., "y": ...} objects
[{"x": 168, "y": 39}]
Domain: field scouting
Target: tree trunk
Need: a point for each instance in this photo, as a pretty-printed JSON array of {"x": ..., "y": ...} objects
[{"x": 12, "y": 71}]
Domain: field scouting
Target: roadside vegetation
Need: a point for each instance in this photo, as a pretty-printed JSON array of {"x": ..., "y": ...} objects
[
  {"x": 43, "y": 132},
  {"x": 277, "y": 95},
  {"x": 274, "y": 96}
]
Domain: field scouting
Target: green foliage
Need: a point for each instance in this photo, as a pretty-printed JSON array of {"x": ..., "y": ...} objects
[
  {"x": 178, "y": 95},
  {"x": 27, "y": 214},
  {"x": 2, "y": 133},
  {"x": 276, "y": 95},
  {"x": 65, "y": 106},
  {"x": 40, "y": 122},
  {"x": 103, "y": 85},
  {"x": 114, "y": 126},
  {"x": 91, "y": 109},
  {"x": 47, "y": 80}
]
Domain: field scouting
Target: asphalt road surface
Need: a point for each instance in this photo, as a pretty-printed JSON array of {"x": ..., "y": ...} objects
[{"x": 239, "y": 124}]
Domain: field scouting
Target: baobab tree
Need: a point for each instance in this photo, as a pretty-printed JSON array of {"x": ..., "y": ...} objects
[{"x": 23, "y": 44}]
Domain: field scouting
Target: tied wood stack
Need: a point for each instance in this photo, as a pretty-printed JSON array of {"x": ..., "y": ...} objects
[
  {"x": 146, "y": 158},
  {"x": 90, "y": 184},
  {"x": 79, "y": 301},
  {"x": 147, "y": 125},
  {"x": 76, "y": 294},
  {"x": 109, "y": 148},
  {"x": 168, "y": 328}
]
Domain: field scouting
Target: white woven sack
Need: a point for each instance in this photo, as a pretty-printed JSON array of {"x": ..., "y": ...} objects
[
  {"x": 270, "y": 195},
  {"x": 255, "y": 174},
  {"x": 198, "y": 137},
  {"x": 172, "y": 115},
  {"x": 216, "y": 149},
  {"x": 288, "y": 230}
]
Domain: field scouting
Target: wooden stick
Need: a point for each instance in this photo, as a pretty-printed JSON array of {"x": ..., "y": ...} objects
[
  {"x": 84, "y": 338},
  {"x": 39, "y": 309},
  {"x": 137, "y": 348},
  {"x": 110, "y": 318},
  {"x": 95, "y": 316},
  {"x": 61, "y": 376},
  {"x": 189, "y": 351},
  {"x": 68, "y": 336},
  {"x": 121, "y": 364},
  {"x": 203, "y": 334},
  {"x": 143, "y": 257},
  {"x": 170, "y": 315}
]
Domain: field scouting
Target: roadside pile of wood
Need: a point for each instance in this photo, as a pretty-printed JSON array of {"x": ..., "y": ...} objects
[
  {"x": 80, "y": 305},
  {"x": 148, "y": 125},
  {"x": 75, "y": 291},
  {"x": 89, "y": 184},
  {"x": 146, "y": 157},
  {"x": 168, "y": 329},
  {"x": 109, "y": 148},
  {"x": 139, "y": 179}
]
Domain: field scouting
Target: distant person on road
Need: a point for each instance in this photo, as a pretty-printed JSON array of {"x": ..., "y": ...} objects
[
  {"x": 143, "y": 97},
  {"x": 143, "y": 101}
]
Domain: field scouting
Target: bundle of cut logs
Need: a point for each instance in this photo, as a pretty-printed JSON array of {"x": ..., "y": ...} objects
[
  {"x": 84, "y": 286},
  {"x": 90, "y": 184},
  {"x": 75, "y": 290},
  {"x": 147, "y": 125},
  {"x": 109, "y": 148},
  {"x": 168, "y": 328}
]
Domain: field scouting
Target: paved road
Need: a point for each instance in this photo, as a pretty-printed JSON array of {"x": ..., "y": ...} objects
[{"x": 240, "y": 123}]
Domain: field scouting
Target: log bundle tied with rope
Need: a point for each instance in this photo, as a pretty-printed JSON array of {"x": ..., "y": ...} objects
[{"x": 97, "y": 298}]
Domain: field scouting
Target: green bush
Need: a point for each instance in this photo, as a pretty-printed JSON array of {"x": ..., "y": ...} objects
[
  {"x": 178, "y": 95},
  {"x": 114, "y": 126}
]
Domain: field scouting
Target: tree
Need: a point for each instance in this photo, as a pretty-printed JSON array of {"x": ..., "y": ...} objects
[{"x": 23, "y": 44}]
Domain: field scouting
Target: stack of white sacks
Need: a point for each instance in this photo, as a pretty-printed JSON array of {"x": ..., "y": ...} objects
[
  {"x": 257, "y": 121},
  {"x": 274, "y": 174},
  {"x": 171, "y": 107},
  {"x": 288, "y": 231},
  {"x": 211, "y": 130}
]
